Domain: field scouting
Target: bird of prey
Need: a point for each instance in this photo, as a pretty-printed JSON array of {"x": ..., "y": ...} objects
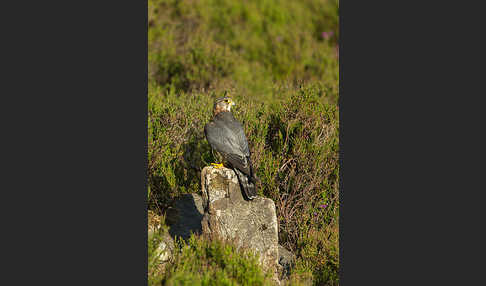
[{"x": 227, "y": 137}]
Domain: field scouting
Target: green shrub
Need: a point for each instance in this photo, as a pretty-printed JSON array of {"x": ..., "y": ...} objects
[
  {"x": 246, "y": 44},
  {"x": 204, "y": 262}
]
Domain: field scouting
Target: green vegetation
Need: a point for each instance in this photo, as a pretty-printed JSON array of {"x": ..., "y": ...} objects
[
  {"x": 203, "y": 262},
  {"x": 278, "y": 60}
]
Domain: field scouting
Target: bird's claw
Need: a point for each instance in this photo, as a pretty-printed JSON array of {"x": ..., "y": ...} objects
[{"x": 217, "y": 165}]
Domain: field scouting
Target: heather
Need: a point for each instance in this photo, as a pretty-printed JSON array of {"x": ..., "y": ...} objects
[{"x": 279, "y": 61}]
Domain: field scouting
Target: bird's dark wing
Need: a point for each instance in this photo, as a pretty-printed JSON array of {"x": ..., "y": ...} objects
[
  {"x": 239, "y": 133},
  {"x": 241, "y": 137},
  {"x": 226, "y": 135}
]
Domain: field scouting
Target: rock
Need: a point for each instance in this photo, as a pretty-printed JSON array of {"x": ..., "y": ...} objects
[
  {"x": 165, "y": 248},
  {"x": 286, "y": 259},
  {"x": 185, "y": 216},
  {"x": 218, "y": 181},
  {"x": 249, "y": 224}
]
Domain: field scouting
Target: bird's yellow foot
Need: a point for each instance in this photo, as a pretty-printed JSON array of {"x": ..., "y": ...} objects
[{"x": 217, "y": 165}]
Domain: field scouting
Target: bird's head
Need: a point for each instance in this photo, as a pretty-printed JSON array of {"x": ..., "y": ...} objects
[{"x": 223, "y": 104}]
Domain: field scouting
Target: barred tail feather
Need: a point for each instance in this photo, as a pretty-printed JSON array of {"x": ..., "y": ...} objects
[{"x": 247, "y": 185}]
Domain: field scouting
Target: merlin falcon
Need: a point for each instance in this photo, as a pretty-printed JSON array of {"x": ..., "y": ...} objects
[{"x": 227, "y": 137}]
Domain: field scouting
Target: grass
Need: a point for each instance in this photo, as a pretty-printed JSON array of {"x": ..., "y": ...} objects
[{"x": 282, "y": 71}]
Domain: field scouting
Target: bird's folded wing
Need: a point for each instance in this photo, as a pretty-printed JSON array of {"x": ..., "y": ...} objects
[
  {"x": 230, "y": 144},
  {"x": 239, "y": 162}
]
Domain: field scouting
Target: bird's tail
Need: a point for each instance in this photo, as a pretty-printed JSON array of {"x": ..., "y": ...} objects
[{"x": 247, "y": 184}]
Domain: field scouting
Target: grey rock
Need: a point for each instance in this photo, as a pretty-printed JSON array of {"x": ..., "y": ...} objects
[
  {"x": 249, "y": 224},
  {"x": 185, "y": 216},
  {"x": 215, "y": 184},
  {"x": 165, "y": 249}
]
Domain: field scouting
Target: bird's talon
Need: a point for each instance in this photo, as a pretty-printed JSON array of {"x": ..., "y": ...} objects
[{"x": 217, "y": 165}]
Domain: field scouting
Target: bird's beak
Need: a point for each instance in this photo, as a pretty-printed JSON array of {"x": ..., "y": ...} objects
[{"x": 232, "y": 103}]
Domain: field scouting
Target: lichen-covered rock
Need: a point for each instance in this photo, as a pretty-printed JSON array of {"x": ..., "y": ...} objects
[
  {"x": 165, "y": 249},
  {"x": 218, "y": 181},
  {"x": 185, "y": 216},
  {"x": 250, "y": 224}
]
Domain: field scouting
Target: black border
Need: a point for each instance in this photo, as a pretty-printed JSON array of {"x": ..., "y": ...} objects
[{"x": 77, "y": 76}]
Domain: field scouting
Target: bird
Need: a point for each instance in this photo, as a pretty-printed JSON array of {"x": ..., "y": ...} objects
[{"x": 227, "y": 137}]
